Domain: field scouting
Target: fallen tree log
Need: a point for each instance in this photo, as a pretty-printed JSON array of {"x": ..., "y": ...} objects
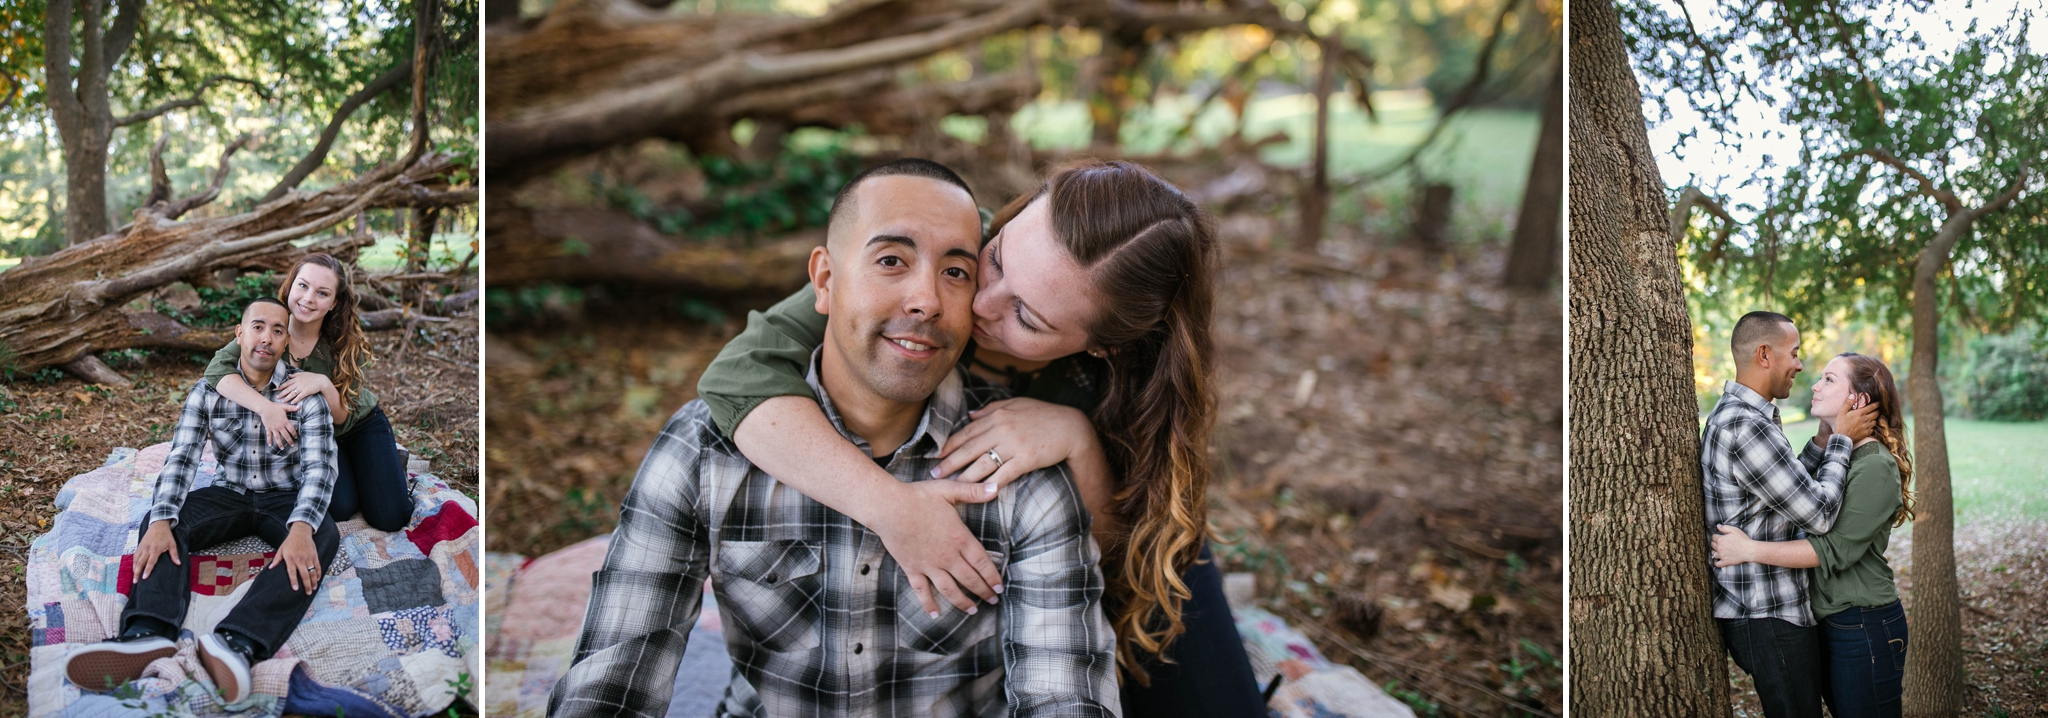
[
  {"x": 594, "y": 74},
  {"x": 84, "y": 299},
  {"x": 603, "y": 246}
]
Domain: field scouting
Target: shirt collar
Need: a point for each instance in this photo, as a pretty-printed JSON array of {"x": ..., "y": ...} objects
[
  {"x": 277, "y": 375},
  {"x": 943, "y": 412},
  {"x": 1741, "y": 392}
]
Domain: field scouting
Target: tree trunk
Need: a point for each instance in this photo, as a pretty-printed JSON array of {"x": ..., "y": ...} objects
[
  {"x": 1643, "y": 638},
  {"x": 1315, "y": 198},
  {"x": 1934, "y": 665},
  {"x": 77, "y": 301},
  {"x": 582, "y": 245},
  {"x": 1532, "y": 258}
]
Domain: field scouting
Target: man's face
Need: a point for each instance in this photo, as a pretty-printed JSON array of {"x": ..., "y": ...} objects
[
  {"x": 1785, "y": 362},
  {"x": 896, "y": 281},
  {"x": 262, "y": 334}
]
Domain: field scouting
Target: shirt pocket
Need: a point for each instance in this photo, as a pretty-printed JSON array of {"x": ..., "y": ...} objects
[
  {"x": 771, "y": 589},
  {"x": 954, "y": 631},
  {"x": 226, "y": 432}
]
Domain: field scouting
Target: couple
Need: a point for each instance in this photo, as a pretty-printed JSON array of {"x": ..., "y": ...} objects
[
  {"x": 300, "y": 453},
  {"x": 890, "y": 533},
  {"x": 1845, "y": 492}
]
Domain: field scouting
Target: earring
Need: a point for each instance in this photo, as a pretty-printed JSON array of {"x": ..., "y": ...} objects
[{"x": 1098, "y": 353}]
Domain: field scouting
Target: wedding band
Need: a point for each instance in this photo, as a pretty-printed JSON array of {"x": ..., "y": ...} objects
[
  {"x": 993, "y": 457},
  {"x": 314, "y": 569}
]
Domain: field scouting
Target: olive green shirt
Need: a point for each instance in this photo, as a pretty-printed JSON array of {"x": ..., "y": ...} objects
[
  {"x": 771, "y": 357},
  {"x": 1852, "y": 570},
  {"x": 321, "y": 362}
]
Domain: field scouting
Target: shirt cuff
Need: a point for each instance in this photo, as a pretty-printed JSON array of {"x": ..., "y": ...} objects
[{"x": 307, "y": 515}]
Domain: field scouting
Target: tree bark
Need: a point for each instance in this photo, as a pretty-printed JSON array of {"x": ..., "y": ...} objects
[
  {"x": 1532, "y": 257},
  {"x": 1643, "y": 638}
]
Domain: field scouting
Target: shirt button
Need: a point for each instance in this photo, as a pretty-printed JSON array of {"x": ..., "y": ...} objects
[
  {"x": 863, "y": 569},
  {"x": 771, "y": 578},
  {"x": 856, "y": 649}
]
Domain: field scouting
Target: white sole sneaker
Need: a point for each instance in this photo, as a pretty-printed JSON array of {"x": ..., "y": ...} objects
[
  {"x": 230, "y": 672},
  {"x": 107, "y": 665}
]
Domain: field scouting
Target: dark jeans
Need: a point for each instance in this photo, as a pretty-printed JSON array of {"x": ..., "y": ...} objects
[
  {"x": 1783, "y": 659},
  {"x": 212, "y": 515},
  {"x": 1866, "y": 653},
  {"x": 1210, "y": 675},
  {"x": 370, "y": 476}
]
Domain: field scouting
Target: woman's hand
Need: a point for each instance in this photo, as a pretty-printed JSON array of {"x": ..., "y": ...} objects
[
  {"x": 278, "y": 430},
  {"x": 1732, "y": 547},
  {"x": 304, "y": 384},
  {"x": 923, "y": 532},
  {"x": 1027, "y": 434}
]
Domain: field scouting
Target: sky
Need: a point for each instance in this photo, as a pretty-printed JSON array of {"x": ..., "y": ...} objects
[{"x": 1720, "y": 170}]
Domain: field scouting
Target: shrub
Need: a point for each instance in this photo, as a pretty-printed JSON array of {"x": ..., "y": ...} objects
[{"x": 2007, "y": 378}]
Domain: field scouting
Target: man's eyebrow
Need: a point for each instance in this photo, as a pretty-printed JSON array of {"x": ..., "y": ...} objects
[
  {"x": 892, "y": 239},
  {"x": 958, "y": 252}
]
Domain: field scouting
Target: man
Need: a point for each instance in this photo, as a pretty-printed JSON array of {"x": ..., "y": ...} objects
[
  {"x": 819, "y": 620},
  {"x": 279, "y": 494},
  {"x": 1756, "y": 483}
]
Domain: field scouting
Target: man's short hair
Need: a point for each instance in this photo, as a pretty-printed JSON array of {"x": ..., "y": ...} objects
[
  {"x": 1756, "y": 328},
  {"x": 264, "y": 300},
  {"x": 843, "y": 203}
]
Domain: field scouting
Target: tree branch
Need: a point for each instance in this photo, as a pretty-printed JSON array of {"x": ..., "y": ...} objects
[
  {"x": 193, "y": 101},
  {"x": 159, "y": 177},
  {"x": 318, "y": 155},
  {"x": 123, "y": 31},
  {"x": 1946, "y": 198},
  {"x": 1459, "y": 101},
  {"x": 13, "y": 91},
  {"x": 1681, "y": 212},
  {"x": 178, "y": 208},
  {"x": 628, "y": 113},
  {"x": 426, "y": 25},
  {"x": 2011, "y": 193}
]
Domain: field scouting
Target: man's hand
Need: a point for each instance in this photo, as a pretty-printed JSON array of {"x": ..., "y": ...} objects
[
  {"x": 279, "y": 430},
  {"x": 1731, "y": 547},
  {"x": 300, "y": 558},
  {"x": 937, "y": 553},
  {"x": 1858, "y": 419},
  {"x": 155, "y": 542}
]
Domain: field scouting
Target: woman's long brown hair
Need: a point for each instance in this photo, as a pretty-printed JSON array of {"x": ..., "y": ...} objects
[
  {"x": 342, "y": 329},
  {"x": 1149, "y": 252},
  {"x": 1872, "y": 378}
]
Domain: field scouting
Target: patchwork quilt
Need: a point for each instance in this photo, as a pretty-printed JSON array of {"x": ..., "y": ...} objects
[
  {"x": 536, "y": 612},
  {"x": 392, "y": 633}
]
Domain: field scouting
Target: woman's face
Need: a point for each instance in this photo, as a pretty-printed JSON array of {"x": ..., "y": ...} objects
[
  {"x": 1035, "y": 302},
  {"x": 1830, "y": 389},
  {"x": 313, "y": 293}
]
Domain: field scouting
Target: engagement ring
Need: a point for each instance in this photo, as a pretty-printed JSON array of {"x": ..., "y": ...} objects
[{"x": 993, "y": 457}]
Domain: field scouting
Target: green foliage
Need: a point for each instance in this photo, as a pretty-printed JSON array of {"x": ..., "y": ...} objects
[
  {"x": 1837, "y": 228},
  {"x": 223, "y": 308},
  {"x": 1416, "y": 701},
  {"x": 750, "y": 199},
  {"x": 2007, "y": 378},
  {"x": 531, "y": 303}
]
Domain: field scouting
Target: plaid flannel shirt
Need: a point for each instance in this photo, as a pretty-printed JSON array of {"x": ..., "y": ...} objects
[
  {"x": 1756, "y": 483},
  {"x": 246, "y": 462},
  {"x": 818, "y": 618}
]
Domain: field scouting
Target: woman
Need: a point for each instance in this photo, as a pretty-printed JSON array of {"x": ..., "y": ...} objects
[
  {"x": 1094, "y": 308},
  {"x": 1854, "y": 592},
  {"x": 329, "y": 349}
]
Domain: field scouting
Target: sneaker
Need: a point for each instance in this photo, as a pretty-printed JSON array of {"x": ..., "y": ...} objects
[
  {"x": 228, "y": 666},
  {"x": 107, "y": 665}
]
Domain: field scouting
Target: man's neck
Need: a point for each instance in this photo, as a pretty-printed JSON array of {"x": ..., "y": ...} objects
[
  {"x": 257, "y": 381},
  {"x": 1758, "y": 383},
  {"x": 885, "y": 424}
]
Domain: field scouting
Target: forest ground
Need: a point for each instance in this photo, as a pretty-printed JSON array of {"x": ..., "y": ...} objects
[
  {"x": 1388, "y": 450},
  {"x": 63, "y": 427}
]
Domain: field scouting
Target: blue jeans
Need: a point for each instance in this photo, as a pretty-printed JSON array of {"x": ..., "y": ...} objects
[
  {"x": 1866, "y": 652},
  {"x": 370, "y": 477}
]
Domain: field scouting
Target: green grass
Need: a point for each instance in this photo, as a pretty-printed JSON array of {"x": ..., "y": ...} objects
[
  {"x": 1998, "y": 470},
  {"x": 1485, "y": 153},
  {"x": 389, "y": 252}
]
